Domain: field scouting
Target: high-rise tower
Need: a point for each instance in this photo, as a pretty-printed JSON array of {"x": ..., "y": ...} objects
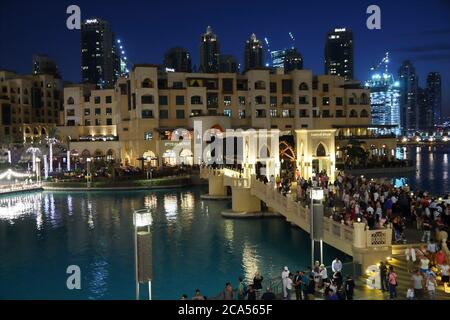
[{"x": 209, "y": 52}]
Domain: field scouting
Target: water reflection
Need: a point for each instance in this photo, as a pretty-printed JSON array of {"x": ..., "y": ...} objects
[
  {"x": 98, "y": 285},
  {"x": 250, "y": 261},
  {"x": 151, "y": 201},
  {"x": 14, "y": 207},
  {"x": 432, "y": 168},
  {"x": 193, "y": 245},
  {"x": 170, "y": 206}
]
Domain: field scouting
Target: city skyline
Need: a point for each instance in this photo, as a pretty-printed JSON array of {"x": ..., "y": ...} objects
[{"x": 62, "y": 45}]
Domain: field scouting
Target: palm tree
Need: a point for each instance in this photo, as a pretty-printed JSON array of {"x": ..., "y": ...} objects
[
  {"x": 34, "y": 149},
  {"x": 355, "y": 152}
]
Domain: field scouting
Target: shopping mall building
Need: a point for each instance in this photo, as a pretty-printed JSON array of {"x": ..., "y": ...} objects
[{"x": 141, "y": 121}]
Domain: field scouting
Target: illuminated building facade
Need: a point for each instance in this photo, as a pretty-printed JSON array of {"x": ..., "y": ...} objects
[
  {"x": 138, "y": 118},
  {"x": 288, "y": 59},
  {"x": 30, "y": 105},
  {"x": 384, "y": 96}
]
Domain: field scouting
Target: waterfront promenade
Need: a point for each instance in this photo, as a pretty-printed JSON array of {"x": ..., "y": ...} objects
[{"x": 20, "y": 187}]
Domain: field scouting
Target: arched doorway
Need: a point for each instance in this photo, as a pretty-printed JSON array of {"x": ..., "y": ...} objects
[{"x": 321, "y": 161}]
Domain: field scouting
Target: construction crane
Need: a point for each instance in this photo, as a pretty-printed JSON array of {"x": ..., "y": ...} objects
[
  {"x": 291, "y": 35},
  {"x": 268, "y": 51}
]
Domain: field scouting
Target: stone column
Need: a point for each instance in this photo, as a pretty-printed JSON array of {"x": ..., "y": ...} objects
[
  {"x": 359, "y": 235},
  {"x": 243, "y": 201},
  {"x": 216, "y": 187}
]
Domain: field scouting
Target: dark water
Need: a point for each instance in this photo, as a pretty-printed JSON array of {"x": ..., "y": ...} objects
[
  {"x": 193, "y": 246},
  {"x": 432, "y": 168}
]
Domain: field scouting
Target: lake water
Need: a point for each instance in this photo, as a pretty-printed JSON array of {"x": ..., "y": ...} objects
[
  {"x": 432, "y": 168},
  {"x": 193, "y": 246},
  {"x": 41, "y": 234}
]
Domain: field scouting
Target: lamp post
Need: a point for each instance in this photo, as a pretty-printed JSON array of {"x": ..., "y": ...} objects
[
  {"x": 316, "y": 222},
  {"x": 88, "y": 172},
  {"x": 143, "y": 249},
  {"x": 38, "y": 170},
  {"x": 68, "y": 160},
  {"x": 45, "y": 167},
  {"x": 51, "y": 155}
]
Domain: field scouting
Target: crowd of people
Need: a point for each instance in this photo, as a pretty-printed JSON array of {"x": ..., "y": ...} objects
[
  {"x": 379, "y": 204},
  {"x": 309, "y": 284}
]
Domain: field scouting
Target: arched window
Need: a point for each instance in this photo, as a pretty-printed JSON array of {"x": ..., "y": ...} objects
[
  {"x": 35, "y": 131},
  {"x": 196, "y": 100},
  {"x": 320, "y": 151},
  {"x": 147, "y": 83},
  {"x": 364, "y": 114},
  {"x": 147, "y": 99},
  {"x": 264, "y": 152},
  {"x": 43, "y": 131},
  {"x": 353, "y": 114},
  {"x": 364, "y": 99},
  {"x": 260, "y": 85},
  {"x": 303, "y": 86},
  {"x": 353, "y": 99},
  {"x": 70, "y": 100}
]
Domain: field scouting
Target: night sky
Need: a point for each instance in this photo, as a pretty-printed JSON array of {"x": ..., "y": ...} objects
[{"x": 415, "y": 30}]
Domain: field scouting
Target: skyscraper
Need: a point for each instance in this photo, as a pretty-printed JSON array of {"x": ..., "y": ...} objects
[
  {"x": 384, "y": 96},
  {"x": 434, "y": 96},
  {"x": 99, "y": 56},
  {"x": 178, "y": 59},
  {"x": 228, "y": 64},
  {"x": 253, "y": 54},
  {"x": 289, "y": 59},
  {"x": 409, "y": 111},
  {"x": 209, "y": 52},
  {"x": 339, "y": 53},
  {"x": 43, "y": 64},
  {"x": 424, "y": 111}
]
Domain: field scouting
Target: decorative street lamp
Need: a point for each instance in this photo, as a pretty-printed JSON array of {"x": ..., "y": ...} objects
[
  {"x": 68, "y": 160},
  {"x": 316, "y": 221},
  {"x": 88, "y": 172},
  {"x": 143, "y": 249},
  {"x": 38, "y": 170},
  {"x": 45, "y": 167}
]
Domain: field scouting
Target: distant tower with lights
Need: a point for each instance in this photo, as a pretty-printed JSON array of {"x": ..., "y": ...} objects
[
  {"x": 434, "y": 97},
  {"x": 253, "y": 54},
  {"x": 409, "y": 106},
  {"x": 339, "y": 53},
  {"x": 99, "y": 55},
  {"x": 209, "y": 52},
  {"x": 178, "y": 60}
]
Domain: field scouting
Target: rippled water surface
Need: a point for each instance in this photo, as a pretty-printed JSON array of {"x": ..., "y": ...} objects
[{"x": 41, "y": 234}]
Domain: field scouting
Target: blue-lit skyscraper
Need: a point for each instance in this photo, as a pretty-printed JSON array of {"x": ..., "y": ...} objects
[{"x": 384, "y": 96}]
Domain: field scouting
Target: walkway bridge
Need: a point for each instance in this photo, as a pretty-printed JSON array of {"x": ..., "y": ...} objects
[{"x": 365, "y": 246}]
